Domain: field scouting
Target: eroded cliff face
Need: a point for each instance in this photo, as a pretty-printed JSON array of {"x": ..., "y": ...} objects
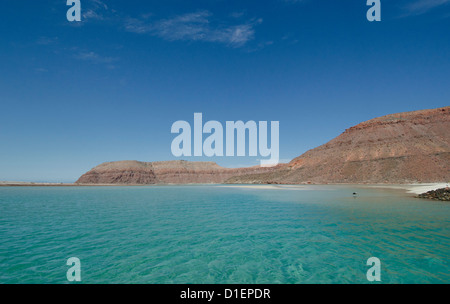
[
  {"x": 165, "y": 172},
  {"x": 398, "y": 148}
]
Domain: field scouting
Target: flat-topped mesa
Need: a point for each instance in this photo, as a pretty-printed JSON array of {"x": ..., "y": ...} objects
[
  {"x": 121, "y": 172},
  {"x": 398, "y": 148},
  {"x": 162, "y": 172},
  {"x": 415, "y": 117}
]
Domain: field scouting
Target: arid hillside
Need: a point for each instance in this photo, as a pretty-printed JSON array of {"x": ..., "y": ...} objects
[
  {"x": 164, "y": 172},
  {"x": 398, "y": 148}
]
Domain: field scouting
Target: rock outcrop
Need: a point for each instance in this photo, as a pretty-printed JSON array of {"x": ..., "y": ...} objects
[
  {"x": 399, "y": 148},
  {"x": 442, "y": 194}
]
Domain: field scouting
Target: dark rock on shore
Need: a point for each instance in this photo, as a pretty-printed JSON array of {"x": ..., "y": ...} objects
[{"x": 442, "y": 194}]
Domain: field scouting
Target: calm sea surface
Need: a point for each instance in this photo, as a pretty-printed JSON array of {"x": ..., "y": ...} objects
[{"x": 218, "y": 234}]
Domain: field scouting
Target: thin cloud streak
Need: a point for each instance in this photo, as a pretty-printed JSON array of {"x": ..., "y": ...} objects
[
  {"x": 95, "y": 58},
  {"x": 96, "y": 10},
  {"x": 198, "y": 26},
  {"x": 420, "y": 7}
]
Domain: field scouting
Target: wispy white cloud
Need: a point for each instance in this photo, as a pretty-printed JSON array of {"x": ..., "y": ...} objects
[
  {"x": 92, "y": 14},
  {"x": 197, "y": 26},
  {"x": 259, "y": 46},
  {"x": 96, "y": 10},
  {"x": 46, "y": 40},
  {"x": 95, "y": 58},
  {"x": 420, "y": 7},
  {"x": 233, "y": 31},
  {"x": 136, "y": 25}
]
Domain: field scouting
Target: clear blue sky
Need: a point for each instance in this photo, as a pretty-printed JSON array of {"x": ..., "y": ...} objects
[{"x": 109, "y": 88}]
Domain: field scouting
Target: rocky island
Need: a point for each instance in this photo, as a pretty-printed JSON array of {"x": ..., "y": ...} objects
[
  {"x": 164, "y": 172},
  {"x": 409, "y": 147}
]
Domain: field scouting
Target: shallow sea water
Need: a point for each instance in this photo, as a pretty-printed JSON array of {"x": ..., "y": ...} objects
[{"x": 220, "y": 234}]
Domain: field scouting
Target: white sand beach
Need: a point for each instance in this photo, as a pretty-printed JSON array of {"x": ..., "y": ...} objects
[
  {"x": 418, "y": 188},
  {"x": 410, "y": 188}
]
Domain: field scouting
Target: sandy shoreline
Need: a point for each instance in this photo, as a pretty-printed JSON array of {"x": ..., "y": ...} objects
[
  {"x": 409, "y": 188},
  {"x": 415, "y": 188}
]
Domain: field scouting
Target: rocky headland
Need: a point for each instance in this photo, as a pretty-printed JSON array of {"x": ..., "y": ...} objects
[
  {"x": 410, "y": 147},
  {"x": 164, "y": 172}
]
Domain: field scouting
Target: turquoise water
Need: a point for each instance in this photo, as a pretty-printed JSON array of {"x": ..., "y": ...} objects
[{"x": 216, "y": 234}]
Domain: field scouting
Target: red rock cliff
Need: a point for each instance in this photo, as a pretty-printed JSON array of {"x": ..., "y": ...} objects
[
  {"x": 398, "y": 148},
  {"x": 177, "y": 172}
]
